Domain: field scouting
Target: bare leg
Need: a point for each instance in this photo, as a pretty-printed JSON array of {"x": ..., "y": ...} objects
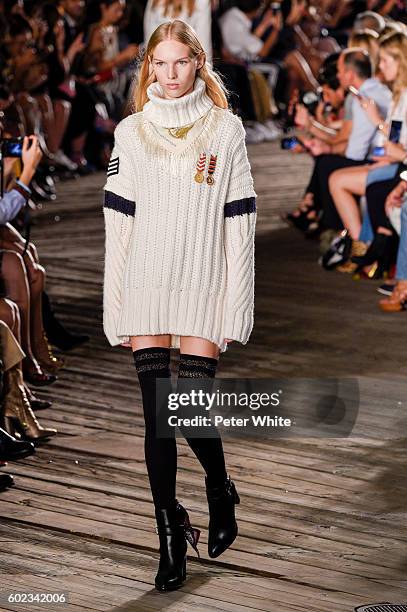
[
  {"x": 47, "y": 113},
  {"x": 62, "y": 109},
  {"x": 77, "y": 147},
  {"x": 344, "y": 185},
  {"x": 139, "y": 342},
  {"x": 18, "y": 290},
  {"x": 199, "y": 346},
  {"x": 10, "y": 314},
  {"x": 36, "y": 288},
  {"x": 41, "y": 348}
]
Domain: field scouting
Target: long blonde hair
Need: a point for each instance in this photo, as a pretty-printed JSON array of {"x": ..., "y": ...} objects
[
  {"x": 395, "y": 44},
  {"x": 172, "y": 8},
  {"x": 182, "y": 32},
  {"x": 369, "y": 40}
]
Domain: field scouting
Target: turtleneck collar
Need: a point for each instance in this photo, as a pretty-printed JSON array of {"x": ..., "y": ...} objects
[{"x": 177, "y": 112}]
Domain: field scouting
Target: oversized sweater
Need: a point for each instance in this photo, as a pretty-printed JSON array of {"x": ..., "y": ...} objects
[{"x": 179, "y": 254}]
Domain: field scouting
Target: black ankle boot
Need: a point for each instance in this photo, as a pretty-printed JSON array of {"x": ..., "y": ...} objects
[
  {"x": 174, "y": 530},
  {"x": 222, "y": 522},
  {"x": 382, "y": 247}
]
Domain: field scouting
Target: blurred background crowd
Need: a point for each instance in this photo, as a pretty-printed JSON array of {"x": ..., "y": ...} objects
[{"x": 325, "y": 78}]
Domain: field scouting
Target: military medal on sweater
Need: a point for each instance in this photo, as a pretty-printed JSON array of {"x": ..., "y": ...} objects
[
  {"x": 212, "y": 165},
  {"x": 200, "y": 167}
]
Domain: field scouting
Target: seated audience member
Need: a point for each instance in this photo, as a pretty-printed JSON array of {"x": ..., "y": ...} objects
[
  {"x": 377, "y": 180},
  {"x": 16, "y": 412},
  {"x": 23, "y": 276},
  {"x": 355, "y": 71},
  {"x": 331, "y": 124},
  {"x": 269, "y": 38},
  {"x": 103, "y": 57}
]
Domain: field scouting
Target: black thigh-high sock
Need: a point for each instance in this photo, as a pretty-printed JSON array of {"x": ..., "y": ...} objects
[
  {"x": 160, "y": 453},
  {"x": 209, "y": 451}
]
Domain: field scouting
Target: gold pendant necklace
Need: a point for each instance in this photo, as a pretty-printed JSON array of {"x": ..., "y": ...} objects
[{"x": 180, "y": 132}]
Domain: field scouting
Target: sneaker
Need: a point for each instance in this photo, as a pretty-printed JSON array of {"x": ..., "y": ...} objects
[
  {"x": 338, "y": 251},
  {"x": 253, "y": 136},
  {"x": 325, "y": 239},
  {"x": 386, "y": 288},
  {"x": 269, "y": 133},
  {"x": 272, "y": 125},
  {"x": 63, "y": 160}
]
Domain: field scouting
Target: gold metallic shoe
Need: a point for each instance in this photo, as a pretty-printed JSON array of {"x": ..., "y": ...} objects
[
  {"x": 358, "y": 249},
  {"x": 45, "y": 356},
  {"x": 17, "y": 412}
]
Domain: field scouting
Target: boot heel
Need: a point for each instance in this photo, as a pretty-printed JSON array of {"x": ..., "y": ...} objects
[
  {"x": 192, "y": 535},
  {"x": 10, "y": 425}
]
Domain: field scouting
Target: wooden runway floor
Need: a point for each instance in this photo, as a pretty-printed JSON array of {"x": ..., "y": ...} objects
[{"x": 322, "y": 521}]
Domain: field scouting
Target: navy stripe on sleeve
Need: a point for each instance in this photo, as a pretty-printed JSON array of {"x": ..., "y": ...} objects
[
  {"x": 116, "y": 202},
  {"x": 240, "y": 207}
]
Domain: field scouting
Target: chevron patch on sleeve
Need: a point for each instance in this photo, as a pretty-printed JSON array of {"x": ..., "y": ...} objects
[{"x": 113, "y": 167}]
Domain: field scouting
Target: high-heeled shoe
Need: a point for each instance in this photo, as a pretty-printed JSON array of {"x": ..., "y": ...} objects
[
  {"x": 398, "y": 299},
  {"x": 302, "y": 221},
  {"x": 175, "y": 531},
  {"x": 35, "y": 375},
  {"x": 35, "y": 402},
  {"x": 381, "y": 255},
  {"x": 222, "y": 522},
  {"x": 12, "y": 449},
  {"x": 45, "y": 357},
  {"x": 358, "y": 249},
  {"x": 381, "y": 246},
  {"x": 17, "y": 413}
]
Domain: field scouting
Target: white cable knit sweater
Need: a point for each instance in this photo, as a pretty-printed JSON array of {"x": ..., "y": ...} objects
[{"x": 179, "y": 255}]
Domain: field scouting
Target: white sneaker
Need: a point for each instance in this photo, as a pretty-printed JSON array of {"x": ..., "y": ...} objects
[
  {"x": 253, "y": 135},
  {"x": 63, "y": 160},
  {"x": 270, "y": 133},
  {"x": 273, "y": 126}
]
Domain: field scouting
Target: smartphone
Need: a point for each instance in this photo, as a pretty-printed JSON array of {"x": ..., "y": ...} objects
[
  {"x": 291, "y": 142},
  {"x": 12, "y": 147},
  {"x": 378, "y": 151},
  {"x": 355, "y": 91},
  {"x": 395, "y": 131}
]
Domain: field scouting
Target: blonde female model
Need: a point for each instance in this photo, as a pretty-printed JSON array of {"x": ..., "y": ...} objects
[{"x": 180, "y": 215}]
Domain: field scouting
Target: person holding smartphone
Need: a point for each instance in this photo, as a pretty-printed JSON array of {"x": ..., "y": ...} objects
[
  {"x": 15, "y": 199},
  {"x": 378, "y": 179}
]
